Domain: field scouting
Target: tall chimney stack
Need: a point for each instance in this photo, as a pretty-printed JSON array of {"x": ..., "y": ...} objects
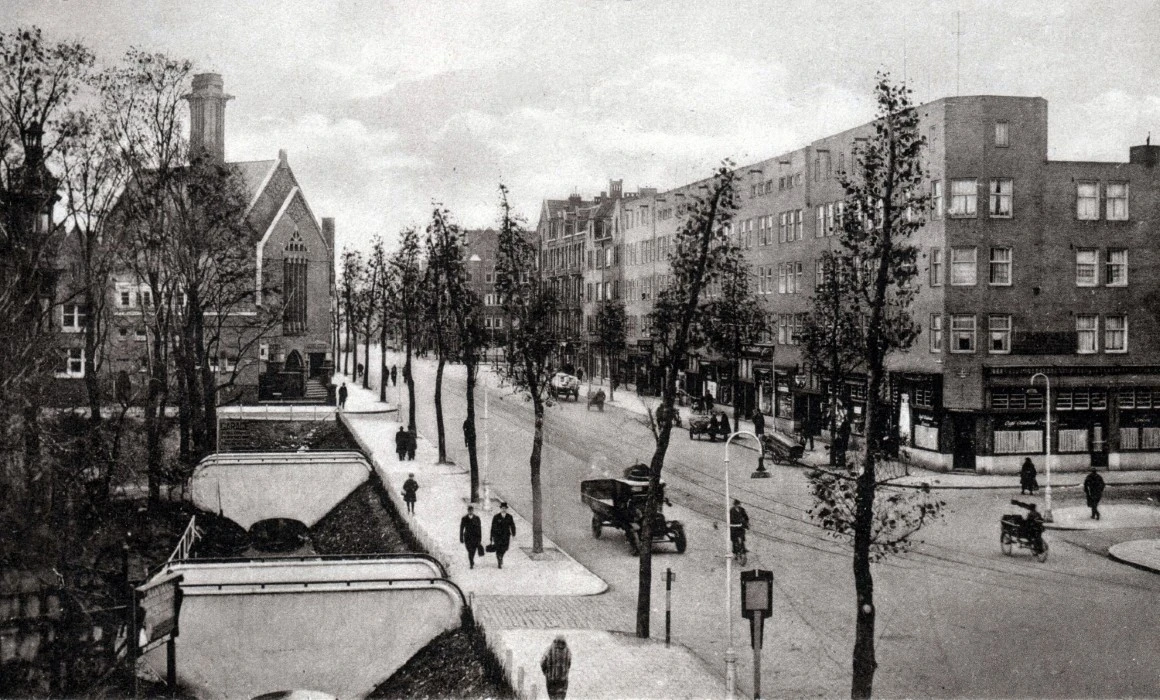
[{"x": 207, "y": 116}]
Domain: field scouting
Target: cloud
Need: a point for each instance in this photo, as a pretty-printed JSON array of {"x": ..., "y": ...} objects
[{"x": 1097, "y": 128}]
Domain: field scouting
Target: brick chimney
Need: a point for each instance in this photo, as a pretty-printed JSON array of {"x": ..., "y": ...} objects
[{"x": 207, "y": 116}]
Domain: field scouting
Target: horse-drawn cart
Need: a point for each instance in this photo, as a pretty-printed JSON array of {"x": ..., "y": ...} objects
[{"x": 780, "y": 448}]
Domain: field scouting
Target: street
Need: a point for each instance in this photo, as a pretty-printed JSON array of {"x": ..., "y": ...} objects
[{"x": 955, "y": 616}]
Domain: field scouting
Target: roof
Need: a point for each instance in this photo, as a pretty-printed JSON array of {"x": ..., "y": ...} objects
[{"x": 253, "y": 173}]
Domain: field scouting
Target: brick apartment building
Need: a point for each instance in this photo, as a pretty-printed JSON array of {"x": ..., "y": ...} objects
[
  {"x": 293, "y": 254},
  {"x": 1027, "y": 266},
  {"x": 483, "y": 244}
]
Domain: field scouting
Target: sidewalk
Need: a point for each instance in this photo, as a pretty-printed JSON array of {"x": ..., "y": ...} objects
[
  {"x": 524, "y": 606},
  {"x": 1142, "y": 554}
]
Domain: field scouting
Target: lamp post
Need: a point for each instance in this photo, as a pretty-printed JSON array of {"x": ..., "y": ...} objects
[
  {"x": 486, "y": 506},
  {"x": 1047, "y": 443},
  {"x": 730, "y": 654}
]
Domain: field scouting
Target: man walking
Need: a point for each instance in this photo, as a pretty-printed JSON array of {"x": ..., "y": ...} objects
[
  {"x": 412, "y": 444},
  {"x": 470, "y": 534},
  {"x": 503, "y": 529},
  {"x": 556, "y": 663},
  {"x": 410, "y": 486},
  {"x": 1093, "y": 488},
  {"x": 394, "y": 376},
  {"x": 342, "y": 393},
  {"x": 401, "y": 443},
  {"x": 1027, "y": 481},
  {"x": 758, "y": 423}
]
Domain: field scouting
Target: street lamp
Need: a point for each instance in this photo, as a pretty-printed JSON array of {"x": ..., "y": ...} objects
[
  {"x": 730, "y": 654},
  {"x": 486, "y": 396},
  {"x": 1047, "y": 443}
]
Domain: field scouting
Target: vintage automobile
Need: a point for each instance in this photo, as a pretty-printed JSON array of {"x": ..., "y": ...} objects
[
  {"x": 564, "y": 385},
  {"x": 620, "y": 503},
  {"x": 699, "y": 422}
]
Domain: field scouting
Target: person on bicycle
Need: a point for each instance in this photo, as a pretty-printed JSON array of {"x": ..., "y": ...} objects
[{"x": 738, "y": 524}]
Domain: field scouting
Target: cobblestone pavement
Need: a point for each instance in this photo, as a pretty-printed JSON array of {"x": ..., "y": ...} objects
[{"x": 574, "y": 612}]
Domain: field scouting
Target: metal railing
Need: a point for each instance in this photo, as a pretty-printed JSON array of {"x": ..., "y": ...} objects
[{"x": 185, "y": 544}]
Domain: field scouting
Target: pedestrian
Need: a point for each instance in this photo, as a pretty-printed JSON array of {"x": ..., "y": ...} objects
[
  {"x": 708, "y": 401},
  {"x": 394, "y": 375},
  {"x": 556, "y": 663},
  {"x": 471, "y": 534},
  {"x": 342, "y": 394},
  {"x": 361, "y": 369},
  {"x": 758, "y": 423},
  {"x": 580, "y": 373},
  {"x": 811, "y": 428},
  {"x": 503, "y": 529},
  {"x": 401, "y": 442},
  {"x": 1093, "y": 488},
  {"x": 412, "y": 444},
  {"x": 410, "y": 486},
  {"x": 725, "y": 430},
  {"x": 1027, "y": 481}
]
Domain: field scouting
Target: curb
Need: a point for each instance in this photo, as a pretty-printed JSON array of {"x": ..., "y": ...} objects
[{"x": 1134, "y": 564}]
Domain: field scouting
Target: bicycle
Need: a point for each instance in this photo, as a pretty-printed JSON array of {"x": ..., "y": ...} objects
[{"x": 740, "y": 552}]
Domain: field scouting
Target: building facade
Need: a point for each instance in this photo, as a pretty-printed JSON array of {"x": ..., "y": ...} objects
[
  {"x": 1027, "y": 267},
  {"x": 274, "y": 346}
]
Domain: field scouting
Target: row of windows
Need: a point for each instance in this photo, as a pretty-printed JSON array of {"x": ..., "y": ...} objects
[
  {"x": 789, "y": 328},
  {"x": 964, "y": 267},
  {"x": 789, "y": 278},
  {"x": 73, "y": 363},
  {"x": 963, "y": 331},
  {"x": 964, "y": 195},
  {"x": 648, "y": 251}
]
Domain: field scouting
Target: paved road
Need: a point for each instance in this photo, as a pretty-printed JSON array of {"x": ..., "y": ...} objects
[{"x": 956, "y": 617}]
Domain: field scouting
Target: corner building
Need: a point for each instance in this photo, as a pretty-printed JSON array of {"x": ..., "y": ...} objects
[{"x": 1026, "y": 266}]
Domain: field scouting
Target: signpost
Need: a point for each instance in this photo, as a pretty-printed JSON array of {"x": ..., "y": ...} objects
[
  {"x": 157, "y": 608},
  {"x": 756, "y": 605}
]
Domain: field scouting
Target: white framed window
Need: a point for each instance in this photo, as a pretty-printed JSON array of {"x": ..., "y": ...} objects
[
  {"x": 819, "y": 274},
  {"x": 1087, "y": 327},
  {"x": 797, "y": 224},
  {"x": 1000, "y": 268},
  {"x": 963, "y": 266},
  {"x": 781, "y": 278},
  {"x": 1116, "y": 267},
  {"x": 1002, "y": 134},
  {"x": 1116, "y": 333},
  {"x": 72, "y": 318},
  {"x": 1001, "y": 197},
  {"x": 497, "y": 322},
  {"x": 936, "y": 267},
  {"x": 139, "y": 334},
  {"x": 830, "y": 219},
  {"x": 964, "y": 198},
  {"x": 1117, "y": 193},
  {"x": 124, "y": 297},
  {"x": 999, "y": 334},
  {"x": 936, "y": 332},
  {"x": 782, "y": 329},
  {"x": 1087, "y": 267},
  {"x": 1087, "y": 200},
  {"x": 962, "y": 333},
  {"x": 74, "y": 364},
  {"x": 820, "y": 221},
  {"x": 936, "y": 199},
  {"x": 783, "y": 227}
]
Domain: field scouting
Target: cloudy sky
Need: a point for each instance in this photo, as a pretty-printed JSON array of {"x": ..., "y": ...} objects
[{"x": 384, "y": 107}]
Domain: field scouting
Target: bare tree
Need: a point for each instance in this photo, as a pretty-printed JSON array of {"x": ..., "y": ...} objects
[
  {"x": 611, "y": 335},
  {"x": 530, "y": 305},
  {"x": 441, "y": 252},
  {"x": 348, "y": 306},
  {"x": 407, "y": 264},
  {"x": 885, "y": 199},
  {"x": 733, "y": 319},
  {"x": 380, "y": 271}
]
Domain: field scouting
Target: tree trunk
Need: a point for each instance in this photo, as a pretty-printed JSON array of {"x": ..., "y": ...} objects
[
  {"x": 611, "y": 374},
  {"x": 155, "y": 426},
  {"x": 384, "y": 377},
  {"x": 96, "y": 456},
  {"x": 439, "y": 428},
  {"x": 534, "y": 464},
  {"x": 409, "y": 378},
  {"x": 367, "y": 356},
  {"x": 469, "y": 430}
]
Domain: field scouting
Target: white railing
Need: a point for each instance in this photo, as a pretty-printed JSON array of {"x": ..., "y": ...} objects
[{"x": 185, "y": 544}]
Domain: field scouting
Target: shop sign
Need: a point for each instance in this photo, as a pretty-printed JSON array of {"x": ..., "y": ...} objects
[
  {"x": 782, "y": 386},
  {"x": 927, "y": 419},
  {"x": 1146, "y": 419},
  {"x": 1007, "y": 423}
]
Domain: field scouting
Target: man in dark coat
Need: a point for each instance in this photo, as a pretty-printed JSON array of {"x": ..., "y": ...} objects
[
  {"x": 556, "y": 663},
  {"x": 503, "y": 529},
  {"x": 1093, "y": 488},
  {"x": 394, "y": 375},
  {"x": 410, "y": 486},
  {"x": 470, "y": 534},
  {"x": 342, "y": 393},
  {"x": 412, "y": 444},
  {"x": 724, "y": 427},
  {"x": 714, "y": 427},
  {"x": 758, "y": 422},
  {"x": 401, "y": 442},
  {"x": 1027, "y": 480}
]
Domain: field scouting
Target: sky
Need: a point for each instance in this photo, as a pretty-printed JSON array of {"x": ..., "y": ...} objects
[{"x": 385, "y": 108}]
